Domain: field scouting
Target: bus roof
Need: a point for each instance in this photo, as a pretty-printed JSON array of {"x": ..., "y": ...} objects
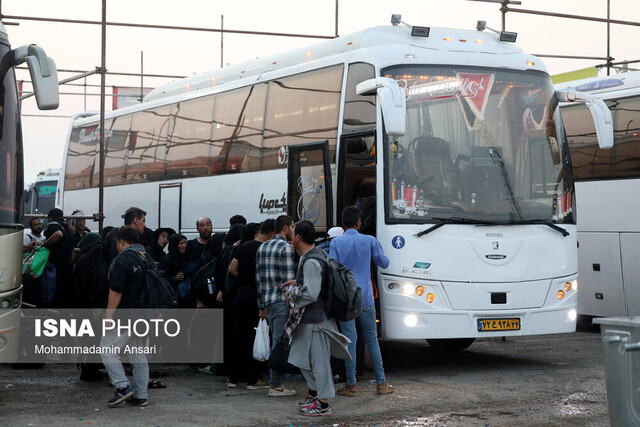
[
  {"x": 383, "y": 46},
  {"x": 440, "y": 40}
]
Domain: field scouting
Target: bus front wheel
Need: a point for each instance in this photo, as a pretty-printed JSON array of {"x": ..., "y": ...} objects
[{"x": 450, "y": 345}]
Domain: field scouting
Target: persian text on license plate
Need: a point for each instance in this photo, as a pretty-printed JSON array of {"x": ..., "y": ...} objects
[{"x": 489, "y": 325}]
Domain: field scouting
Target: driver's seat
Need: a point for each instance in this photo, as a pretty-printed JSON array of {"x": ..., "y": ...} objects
[{"x": 432, "y": 162}]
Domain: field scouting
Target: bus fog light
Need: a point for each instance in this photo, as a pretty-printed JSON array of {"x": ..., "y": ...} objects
[
  {"x": 420, "y": 290},
  {"x": 407, "y": 289},
  {"x": 411, "y": 320},
  {"x": 572, "y": 315},
  {"x": 3, "y": 342},
  {"x": 560, "y": 294},
  {"x": 5, "y": 304},
  {"x": 430, "y": 297},
  {"x": 568, "y": 286}
]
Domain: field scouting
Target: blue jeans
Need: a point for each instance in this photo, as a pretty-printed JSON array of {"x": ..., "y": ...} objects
[
  {"x": 277, "y": 316},
  {"x": 368, "y": 325},
  {"x": 113, "y": 363}
]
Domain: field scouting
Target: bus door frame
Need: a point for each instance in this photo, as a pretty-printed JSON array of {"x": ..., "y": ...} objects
[
  {"x": 167, "y": 190},
  {"x": 294, "y": 172}
]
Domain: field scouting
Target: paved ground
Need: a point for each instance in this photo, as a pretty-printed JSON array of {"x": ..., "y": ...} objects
[{"x": 553, "y": 380}]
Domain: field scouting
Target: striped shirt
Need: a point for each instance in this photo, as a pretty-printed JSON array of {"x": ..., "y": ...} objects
[{"x": 274, "y": 266}]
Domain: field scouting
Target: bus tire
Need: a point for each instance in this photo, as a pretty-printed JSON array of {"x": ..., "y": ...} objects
[{"x": 450, "y": 345}]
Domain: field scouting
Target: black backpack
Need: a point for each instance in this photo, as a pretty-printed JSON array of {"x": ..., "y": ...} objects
[
  {"x": 90, "y": 275},
  {"x": 157, "y": 291},
  {"x": 341, "y": 294}
]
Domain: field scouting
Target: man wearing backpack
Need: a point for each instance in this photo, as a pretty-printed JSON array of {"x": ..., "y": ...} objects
[
  {"x": 126, "y": 284},
  {"x": 355, "y": 251},
  {"x": 314, "y": 334}
]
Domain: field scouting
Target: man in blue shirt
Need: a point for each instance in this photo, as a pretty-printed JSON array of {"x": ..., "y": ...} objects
[{"x": 355, "y": 251}]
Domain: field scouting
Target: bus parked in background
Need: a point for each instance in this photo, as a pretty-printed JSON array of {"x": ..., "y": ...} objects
[
  {"x": 607, "y": 188},
  {"x": 45, "y": 82},
  {"x": 40, "y": 197},
  {"x": 453, "y": 137}
]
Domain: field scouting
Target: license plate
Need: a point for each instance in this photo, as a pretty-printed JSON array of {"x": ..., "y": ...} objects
[{"x": 489, "y": 325}]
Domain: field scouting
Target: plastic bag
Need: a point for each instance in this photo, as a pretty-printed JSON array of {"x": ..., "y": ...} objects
[
  {"x": 34, "y": 263},
  {"x": 261, "y": 345}
]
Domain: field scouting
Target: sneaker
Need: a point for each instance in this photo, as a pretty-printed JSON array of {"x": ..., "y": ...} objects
[
  {"x": 120, "y": 396},
  {"x": 315, "y": 410},
  {"x": 260, "y": 385},
  {"x": 282, "y": 391},
  {"x": 229, "y": 384},
  {"x": 207, "y": 369},
  {"x": 308, "y": 400},
  {"x": 137, "y": 402}
]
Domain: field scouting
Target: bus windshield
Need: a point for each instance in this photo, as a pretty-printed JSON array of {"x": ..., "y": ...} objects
[
  {"x": 10, "y": 147},
  {"x": 480, "y": 144}
]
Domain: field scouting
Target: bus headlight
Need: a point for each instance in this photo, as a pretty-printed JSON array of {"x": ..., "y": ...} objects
[
  {"x": 3, "y": 342},
  {"x": 16, "y": 301},
  {"x": 560, "y": 294},
  {"x": 431, "y": 297},
  {"x": 5, "y": 304},
  {"x": 407, "y": 289},
  {"x": 420, "y": 290},
  {"x": 573, "y": 314},
  {"x": 411, "y": 320},
  {"x": 568, "y": 286}
]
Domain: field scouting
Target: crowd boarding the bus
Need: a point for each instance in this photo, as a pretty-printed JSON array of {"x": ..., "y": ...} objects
[{"x": 432, "y": 163}]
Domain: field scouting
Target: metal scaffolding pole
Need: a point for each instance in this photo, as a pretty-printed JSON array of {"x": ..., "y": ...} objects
[{"x": 103, "y": 69}]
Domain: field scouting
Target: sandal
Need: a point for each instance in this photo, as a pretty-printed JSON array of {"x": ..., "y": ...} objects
[
  {"x": 156, "y": 384},
  {"x": 385, "y": 389},
  {"x": 348, "y": 391}
]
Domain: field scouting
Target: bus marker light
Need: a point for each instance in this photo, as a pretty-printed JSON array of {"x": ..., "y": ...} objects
[
  {"x": 420, "y": 290},
  {"x": 479, "y": 41},
  {"x": 531, "y": 63},
  {"x": 447, "y": 39},
  {"x": 560, "y": 294},
  {"x": 411, "y": 320},
  {"x": 430, "y": 297}
]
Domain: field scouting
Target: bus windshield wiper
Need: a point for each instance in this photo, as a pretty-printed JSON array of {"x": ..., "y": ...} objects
[
  {"x": 454, "y": 220},
  {"x": 546, "y": 222},
  {"x": 497, "y": 158}
]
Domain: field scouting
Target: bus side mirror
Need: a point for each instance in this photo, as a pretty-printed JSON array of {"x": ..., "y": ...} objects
[
  {"x": 392, "y": 100},
  {"x": 599, "y": 112},
  {"x": 43, "y": 75}
]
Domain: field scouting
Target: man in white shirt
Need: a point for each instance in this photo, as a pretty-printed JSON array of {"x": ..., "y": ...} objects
[{"x": 34, "y": 237}]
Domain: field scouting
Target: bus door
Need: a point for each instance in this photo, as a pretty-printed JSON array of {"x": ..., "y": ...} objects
[
  {"x": 170, "y": 206},
  {"x": 357, "y": 177},
  {"x": 309, "y": 188}
]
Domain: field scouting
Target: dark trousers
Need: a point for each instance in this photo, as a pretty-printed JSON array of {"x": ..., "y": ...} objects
[{"x": 242, "y": 321}]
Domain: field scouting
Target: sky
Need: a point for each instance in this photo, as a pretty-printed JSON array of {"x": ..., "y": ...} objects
[{"x": 184, "y": 53}]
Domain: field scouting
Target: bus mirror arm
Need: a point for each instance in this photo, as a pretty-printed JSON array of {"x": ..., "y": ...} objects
[
  {"x": 599, "y": 112},
  {"x": 44, "y": 75},
  {"x": 392, "y": 99}
]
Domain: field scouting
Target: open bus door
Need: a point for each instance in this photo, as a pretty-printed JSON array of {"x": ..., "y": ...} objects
[{"x": 309, "y": 186}]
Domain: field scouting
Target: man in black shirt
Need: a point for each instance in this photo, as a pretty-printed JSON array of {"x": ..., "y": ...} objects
[
  {"x": 126, "y": 282},
  {"x": 244, "y": 314},
  {"x": 195, "y": 246},
  {"x": 59, "y": 240}
]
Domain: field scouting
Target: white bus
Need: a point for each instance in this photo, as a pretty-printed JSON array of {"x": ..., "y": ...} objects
[
  {"x": 607, "y": 185},
  {"x": 455, "y": 134},
  {"x": 45, "y": 82}
]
